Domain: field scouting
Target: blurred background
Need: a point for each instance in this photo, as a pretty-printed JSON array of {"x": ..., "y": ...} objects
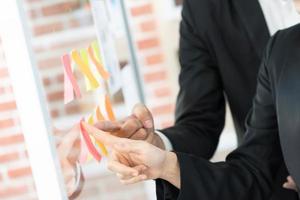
[{"x": 147, "y": 56}]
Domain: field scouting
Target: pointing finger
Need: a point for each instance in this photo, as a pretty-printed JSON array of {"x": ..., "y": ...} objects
[
  {"x": 103, "y": 137},
  {"x": 108, "y": 126}
]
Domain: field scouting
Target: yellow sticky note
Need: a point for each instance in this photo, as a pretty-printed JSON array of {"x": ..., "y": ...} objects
[
  {"x": 84, "y": 67},
  {"x": 102, "y": 147},
  {"x": 86, "y": 80},
  {"x": 96, "y": 49},
  {"x": 91, "y": 120}
]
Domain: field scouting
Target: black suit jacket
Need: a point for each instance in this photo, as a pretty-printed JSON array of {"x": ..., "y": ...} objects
[
  {"x": 221, "y": 47},
  {"x": 272, "y": 136}
]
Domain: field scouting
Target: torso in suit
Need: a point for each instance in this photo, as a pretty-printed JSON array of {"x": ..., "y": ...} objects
[
  {"x": 221, "y": 47},
  {"x": 272, "y": 136}
]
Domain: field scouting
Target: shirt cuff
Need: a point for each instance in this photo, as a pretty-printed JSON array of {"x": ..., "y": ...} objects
[{"x": 166, "y": 141}]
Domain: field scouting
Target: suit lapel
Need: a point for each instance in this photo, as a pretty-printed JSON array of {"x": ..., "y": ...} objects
[{"x": 253, "y": 19}]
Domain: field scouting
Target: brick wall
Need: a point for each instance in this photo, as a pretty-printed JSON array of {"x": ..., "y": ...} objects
[
  {"x": 16, "y": 181},
  {"x": 58, "y": 26},
  {"x": 152, "y": 58}
]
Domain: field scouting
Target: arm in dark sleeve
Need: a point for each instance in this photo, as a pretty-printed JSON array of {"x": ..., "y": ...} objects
[
  {"x": 249, "y": 171},
  {"x": 200, "y": 109}
]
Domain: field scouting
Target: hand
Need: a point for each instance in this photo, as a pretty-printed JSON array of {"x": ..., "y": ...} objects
[
  {"x": 290, "y": 184},
  {"x": 134, "y": 161},
  {"x": 138, "y": 126},
  {"x": 68, "y": 149}
]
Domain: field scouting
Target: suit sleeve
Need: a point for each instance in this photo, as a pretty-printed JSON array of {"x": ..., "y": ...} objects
[
  {"x": 249, "y": 171},
  {"x": 200, "y": 109}
]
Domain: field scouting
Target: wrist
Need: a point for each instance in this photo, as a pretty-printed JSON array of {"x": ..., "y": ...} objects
[{"x": 170, "y": 170}]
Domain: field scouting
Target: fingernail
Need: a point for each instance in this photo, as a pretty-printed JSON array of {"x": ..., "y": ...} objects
[{"x": 148, "y": 123}]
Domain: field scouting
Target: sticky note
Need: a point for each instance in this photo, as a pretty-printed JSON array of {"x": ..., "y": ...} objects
[
  {"x": 99, "y": 115},
  {"x": 68, "y": 89},
  {"x": 84, "y": 68},
  {"x": 96, "y": 49},
  {"x": 89, "y": 143},
  {"x": 102, "y": 147},
  {"x": 70, "y": 77},
  {"x": 109, "y": 110},
  {"x": 84, "y": 57},
  {"x": 99, "y": 66},
  {"x": 91, "y": 120}
]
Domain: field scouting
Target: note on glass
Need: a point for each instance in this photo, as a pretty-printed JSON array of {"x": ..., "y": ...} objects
[
  {"x": 89, "y": 143},
  {"x": 84, "y": 68},
  {"x": 96, "y": 49},
  {"x": 68, "y": 89},
  {"x": 99, "y": 65},
  {"x": 109, "y": 110},
  {"x": 100, "y": 117},
  {"x": 99, "y": 114},
  {"x": 70, "y": 83}
]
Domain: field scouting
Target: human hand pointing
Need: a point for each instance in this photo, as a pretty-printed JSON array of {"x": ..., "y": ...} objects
[{"x": 135, "y": 160}]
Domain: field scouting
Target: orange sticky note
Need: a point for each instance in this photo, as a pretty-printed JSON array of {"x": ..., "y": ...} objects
[
  {"x": 100, "y": 117},
  {"x": 98, "y": 64},
  {"x": 109, "y": 110},
  {"x": 99, "y": 114},
  {"x": 84, "y": 68}
]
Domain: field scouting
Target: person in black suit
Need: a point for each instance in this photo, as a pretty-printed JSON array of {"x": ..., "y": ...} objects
[
  {"x": 221, "y": 47},
  {"x": 272, "y": 138}
]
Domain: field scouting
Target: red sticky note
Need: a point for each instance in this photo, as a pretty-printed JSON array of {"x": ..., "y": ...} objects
[
  {"x": 69, "y": 74},
  {"x": 92, "y": 149},
  {"x": 68, "y": 88}
]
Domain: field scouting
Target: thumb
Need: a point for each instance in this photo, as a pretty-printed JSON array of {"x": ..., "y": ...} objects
[
  {"x": 108, "y": 126},
  {"x": 141, "y": 112}
]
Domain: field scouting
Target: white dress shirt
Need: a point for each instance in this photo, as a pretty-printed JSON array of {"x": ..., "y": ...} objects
[{"x": 279, "y": 14}]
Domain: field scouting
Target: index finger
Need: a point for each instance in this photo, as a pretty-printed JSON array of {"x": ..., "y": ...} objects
[
  {"x": 103, "y": 137},
  {"x": 108, "y": 126}
]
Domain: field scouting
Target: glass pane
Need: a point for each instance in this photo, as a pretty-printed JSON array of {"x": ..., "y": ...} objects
[{"x": 84, "y": 61}]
